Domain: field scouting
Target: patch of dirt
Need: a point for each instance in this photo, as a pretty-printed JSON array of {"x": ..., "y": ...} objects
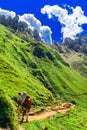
[{"x": 49, "y": 113}]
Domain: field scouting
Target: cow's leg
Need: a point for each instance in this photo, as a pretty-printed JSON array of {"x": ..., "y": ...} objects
[
  {"x": 27, "y": 114},
  {"x": 23, "y": 116},
  {"x": 19, "y": 110}
]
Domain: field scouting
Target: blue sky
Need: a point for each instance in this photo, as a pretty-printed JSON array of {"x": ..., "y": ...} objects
[{"x": 54, "y": 19}]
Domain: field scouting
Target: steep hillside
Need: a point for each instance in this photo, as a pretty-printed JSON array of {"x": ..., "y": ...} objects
[
  {"x": 76, "y": 59},
  {"x": 79, "y": 57},
  {"x": 36, "y": 68},
  {"x": 15, "y": 73}
]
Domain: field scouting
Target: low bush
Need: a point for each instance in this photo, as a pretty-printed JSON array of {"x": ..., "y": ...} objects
[{"x": 39, "y": 51}]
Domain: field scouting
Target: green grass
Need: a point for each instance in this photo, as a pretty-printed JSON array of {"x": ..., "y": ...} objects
[
  {"x": 15, "y": 72},
  {"x": 8, "y": 116},
  {"x": 35, "y": 68},
  {"x": 76, "y": 119}
]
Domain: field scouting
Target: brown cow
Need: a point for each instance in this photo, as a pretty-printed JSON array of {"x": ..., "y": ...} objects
[{"x": 24, "y": 105}]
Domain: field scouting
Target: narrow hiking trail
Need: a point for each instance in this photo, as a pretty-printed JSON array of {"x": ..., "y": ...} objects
[{"x": 49, "y": 113}]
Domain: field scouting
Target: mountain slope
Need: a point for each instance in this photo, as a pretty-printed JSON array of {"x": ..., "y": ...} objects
[
  {"x": 76, "y": 52},
  {"x": 36, "y": 68},
  {"x": 77, "y": 60},
  {"x": 14, "y": 74}
]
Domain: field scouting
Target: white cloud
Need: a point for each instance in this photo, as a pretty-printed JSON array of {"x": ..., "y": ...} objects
[
  {"x": 71, "y": 23},
  {"x": 46, "y": 32},
  {"x": 33, "y": 23},
  {"x": 7, "y": 13}
]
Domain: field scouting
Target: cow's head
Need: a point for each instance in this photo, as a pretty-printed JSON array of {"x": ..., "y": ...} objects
[{"x": 19, "y": 93}]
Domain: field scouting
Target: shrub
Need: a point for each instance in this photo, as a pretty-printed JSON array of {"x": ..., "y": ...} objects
[
  {"x": 50, "y": 56},
  {"x": 39, "y": 52},
  {"x": 39, "y": 74},
  {"x": 33, "y": 65},
  {"x": 8, "y": 116}
]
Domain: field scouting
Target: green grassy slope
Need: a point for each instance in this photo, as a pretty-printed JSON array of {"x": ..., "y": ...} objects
[
  {"x": 34, "y": 67},
  {"x": 77, "y": 60},
  {"x": 15, "y": 75}
]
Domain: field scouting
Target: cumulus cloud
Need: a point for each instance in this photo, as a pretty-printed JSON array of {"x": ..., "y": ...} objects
[
  {"x": 46, "y": 32},
  {"x": 7, "y": 13},
  {"x": 33, "y": 23},
  {"x": 30, "y": 20},
  {"x": 71, "y": 22}
]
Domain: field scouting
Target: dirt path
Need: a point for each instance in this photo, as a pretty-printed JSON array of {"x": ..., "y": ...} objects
[{"x": 49, "y": 113}]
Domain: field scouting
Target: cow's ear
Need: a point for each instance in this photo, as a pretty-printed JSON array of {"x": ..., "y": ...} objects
[
  {"x": 19, "y": 94},
  {"x": 28, "y": 96}
]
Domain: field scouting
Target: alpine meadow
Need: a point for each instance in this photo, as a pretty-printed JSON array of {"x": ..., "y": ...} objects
[{"x": 48, "y": 76}]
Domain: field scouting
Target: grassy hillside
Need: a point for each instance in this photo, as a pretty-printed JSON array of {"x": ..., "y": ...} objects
[
  {"x": 34, "y": 67},
  {"x": 77, "y": 60},
  {"x": 15, "y": 71}
]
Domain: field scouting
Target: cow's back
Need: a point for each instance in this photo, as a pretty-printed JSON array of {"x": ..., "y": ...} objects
[{"x": 27, "y": 103}]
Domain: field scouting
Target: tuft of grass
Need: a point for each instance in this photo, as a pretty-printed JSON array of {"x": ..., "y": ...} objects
[{"x": 8, "y": 117}]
